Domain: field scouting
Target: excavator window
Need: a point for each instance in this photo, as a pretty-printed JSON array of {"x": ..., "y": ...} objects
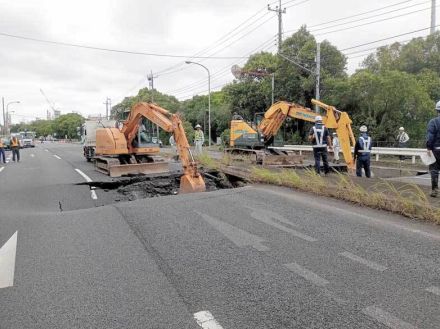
[{"x": 147, "y": 134}]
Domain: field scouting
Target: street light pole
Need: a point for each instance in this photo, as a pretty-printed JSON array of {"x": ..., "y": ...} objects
[
  {"x": 209, "y": 98},
  {"x": 7, "y": 114}
]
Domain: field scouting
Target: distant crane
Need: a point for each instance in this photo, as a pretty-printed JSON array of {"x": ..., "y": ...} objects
[{"x": 51, "y": 104}]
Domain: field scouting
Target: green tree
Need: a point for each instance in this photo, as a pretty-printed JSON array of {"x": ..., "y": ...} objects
[{"x": 65, "y": 125}]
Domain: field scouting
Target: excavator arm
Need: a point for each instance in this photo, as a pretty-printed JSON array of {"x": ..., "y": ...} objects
[
  {"x": 192, "y": 180},
  {"x": 334, "y": 119}
]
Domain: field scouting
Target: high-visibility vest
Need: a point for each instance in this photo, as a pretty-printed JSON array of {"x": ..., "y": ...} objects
[
  {"x": 14, "y": 142},
  {"x": 365, "y": 144},
  {"x": 198, "y": 137},
  {"x": 319, "y": 136}
]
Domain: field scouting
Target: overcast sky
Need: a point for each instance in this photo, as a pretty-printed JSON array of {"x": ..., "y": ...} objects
[{"x": 79, "y": 80}]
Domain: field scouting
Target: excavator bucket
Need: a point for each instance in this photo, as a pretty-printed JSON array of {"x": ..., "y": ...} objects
[{"x": 191, "y": 184}]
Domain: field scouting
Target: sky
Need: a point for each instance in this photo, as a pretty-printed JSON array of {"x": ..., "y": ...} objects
[{"x": 79, "y": 80}]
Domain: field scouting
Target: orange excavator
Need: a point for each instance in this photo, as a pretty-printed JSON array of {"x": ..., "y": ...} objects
[
  {"x": 122, "y": 151},
  {"x": 257, "y": 136}
]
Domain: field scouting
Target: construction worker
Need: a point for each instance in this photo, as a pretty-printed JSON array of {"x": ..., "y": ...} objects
[
  {"x": 433, "y": 147},
  {"x": 2, "y": 151},
  {"x": 402, "y": 140},
  {"x": 15, "y": 147},
  {"x": 320, "y": 138},
  {"x": 362, "y": 151},
  {"x": 336, "y": 148},
  {"x": 199, "y": 139}
]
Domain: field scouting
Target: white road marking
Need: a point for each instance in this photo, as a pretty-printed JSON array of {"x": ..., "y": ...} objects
[
  {"x": 435, "y": 290},
  {"x": 363, "y": 261},
  {"x": 267, "y": 220},
  {"x": 206, "y": 320},
  {"x": 56, "y": 156},
  {"x": 337, "y": 211},
  {"x": 7, "y": 261},
  {"x": 46, "y": 150},
  {"x": 88, "y": 179},
  {"x": 306, "y": 274},
  {"x": 386, "y": 318},
  {"x": 32, "y": 155},
  {"x": 237, "y": 236},
  {"x": 2, "y": 168}
]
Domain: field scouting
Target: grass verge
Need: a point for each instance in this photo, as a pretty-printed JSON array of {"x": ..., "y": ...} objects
[{"x": 408, "y": 200}]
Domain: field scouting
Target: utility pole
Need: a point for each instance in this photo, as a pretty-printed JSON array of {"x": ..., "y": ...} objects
[
  {"x": 273, "y": 87},
  {"x": 318, "y": 73},
  {"x": 150, "y": 78},
  {"x": 108, "y": 107},
  {"x": 280, "y": 13},
  {"x": 433, "y": 18}
]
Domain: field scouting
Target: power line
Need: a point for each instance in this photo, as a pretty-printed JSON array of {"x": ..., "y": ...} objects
[
  {"x": 223, "y": 71},
  {"x": 360, "y": 14},
  {"x": 369, "y": 17},
  {"x": 67, "y": 44},
  {"x": 384, "y": 39},
  {"x": 373, "y": 22}
]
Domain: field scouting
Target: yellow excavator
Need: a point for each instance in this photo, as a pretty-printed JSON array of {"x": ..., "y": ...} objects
[
  {"x": 123, "y": 151},
  {"x": 257, "y": 136}
]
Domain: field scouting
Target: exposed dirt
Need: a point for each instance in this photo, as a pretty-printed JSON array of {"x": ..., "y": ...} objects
[{"x": 141, "y": 187}]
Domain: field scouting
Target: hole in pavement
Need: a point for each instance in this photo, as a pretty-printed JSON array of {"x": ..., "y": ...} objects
[{"x": 141, "y": 186}]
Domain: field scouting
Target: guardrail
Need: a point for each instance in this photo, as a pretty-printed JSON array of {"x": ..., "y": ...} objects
[{"x": 377, "y": 151}]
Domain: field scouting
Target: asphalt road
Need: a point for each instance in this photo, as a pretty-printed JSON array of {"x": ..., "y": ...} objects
[{"x": 254, "y": 257}]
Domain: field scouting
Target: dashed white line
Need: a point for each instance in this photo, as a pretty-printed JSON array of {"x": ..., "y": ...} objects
[
  {"x": 56, "y": 156},
  {"x": 307, "y": 274},
  {"x": 265, "y": 219},
  {"x": 7, "y": 261},
  {"x": 206, "y": 320},
  {"x": 386, "y": 318},
  {"x": 434, "y": 290},
  {"x": 88, "y": 179},
  {"x": 363, "y": 261},
  {"x": 2, "y": 168}
]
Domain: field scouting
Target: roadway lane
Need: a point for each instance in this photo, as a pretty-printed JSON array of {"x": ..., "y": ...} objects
[{"x": 254, "y": 257}]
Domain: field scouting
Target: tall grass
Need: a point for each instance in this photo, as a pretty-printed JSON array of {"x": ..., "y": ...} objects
[{"x": 408, "y": 200}]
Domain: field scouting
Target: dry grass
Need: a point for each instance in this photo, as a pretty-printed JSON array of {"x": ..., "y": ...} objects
[{"x": 408, "y": 200}]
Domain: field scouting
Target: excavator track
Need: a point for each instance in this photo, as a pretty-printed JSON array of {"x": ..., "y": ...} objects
[
  {"x": 112, "y": 166},
  {"x": 267, "y": 158}
]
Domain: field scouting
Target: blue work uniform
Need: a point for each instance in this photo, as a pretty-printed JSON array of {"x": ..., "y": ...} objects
[
  {"x": 319, "y": 132},
  {"x": 362, "y": 152},
  {"x": 433, "y": 144}
]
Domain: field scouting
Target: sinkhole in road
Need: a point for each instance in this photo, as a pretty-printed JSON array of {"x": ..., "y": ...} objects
[{"x": 143, "y": 186}]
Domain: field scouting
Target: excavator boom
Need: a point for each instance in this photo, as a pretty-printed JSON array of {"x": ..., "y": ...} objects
[{"x": 122, "y": 141}]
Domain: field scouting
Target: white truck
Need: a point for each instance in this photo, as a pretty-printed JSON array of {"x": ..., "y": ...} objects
[{"x": 88, "y": 135}]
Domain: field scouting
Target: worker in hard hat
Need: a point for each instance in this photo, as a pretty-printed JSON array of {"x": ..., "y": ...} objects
[
  {"x": 336, "y": 148},
  {"x": 15, "y": 147},
  {"x": 320, "y": 138},
  {"x": 402, "y": 140},
  {"x": 433, "y": 147},
  {"x": 199, "y": 139},
  {"x": 362, "y": 152}
]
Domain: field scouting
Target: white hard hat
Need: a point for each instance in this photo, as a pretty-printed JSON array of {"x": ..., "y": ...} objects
[
  {"x": 318, "y": 118},
  {"x": 437, "y": 106},
  {"x": 401, "y": 129},
  {"x": 363, "y": 129},
  {"x": 198, "y": 126}
]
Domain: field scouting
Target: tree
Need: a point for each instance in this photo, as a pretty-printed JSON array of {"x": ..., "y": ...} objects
[{"x": 66, "y": 125}]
